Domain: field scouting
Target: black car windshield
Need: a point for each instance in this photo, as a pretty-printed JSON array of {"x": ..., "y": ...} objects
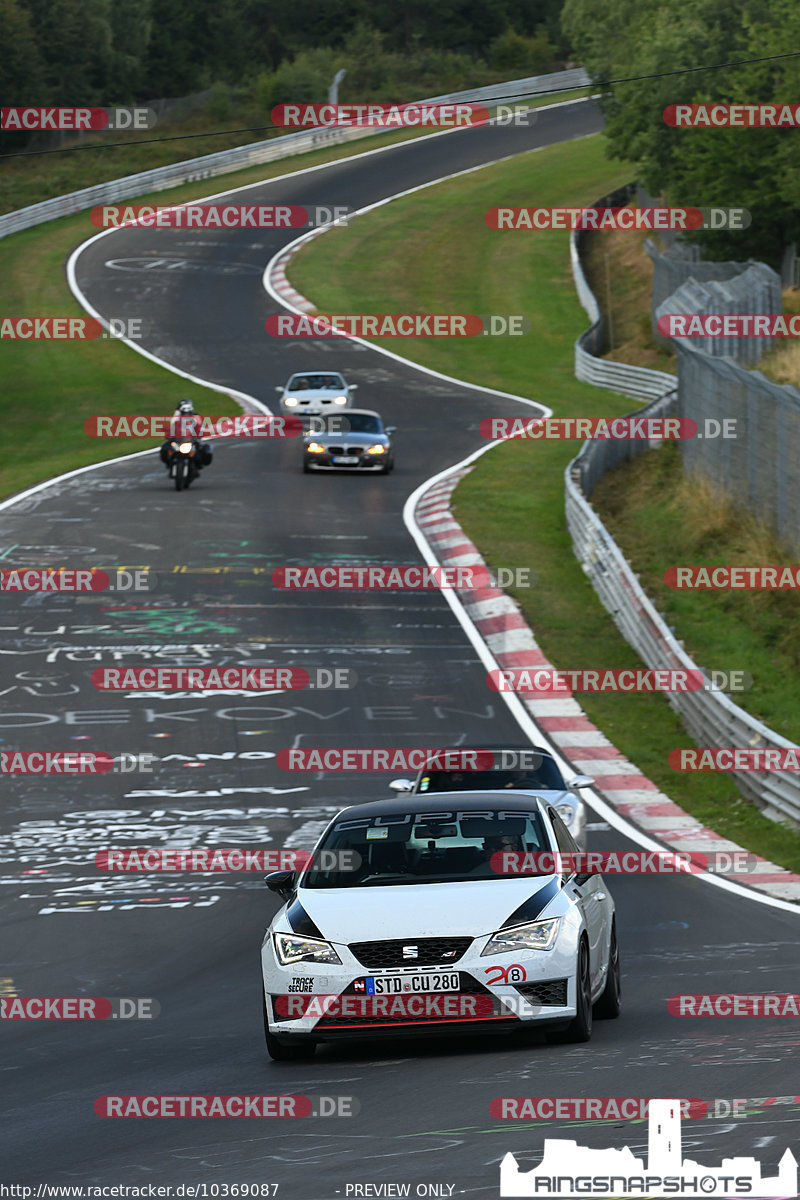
[
  {"x": 315, "y": 382},
  {"x": 410, "y": 849},
  {"x": 357, "y": 422},
  {"x": 546, "y": 777}
]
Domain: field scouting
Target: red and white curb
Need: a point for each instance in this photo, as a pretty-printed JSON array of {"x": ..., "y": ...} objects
[
  {"x": 281, "y": 284},
  {"x": 507, "y": 635}
]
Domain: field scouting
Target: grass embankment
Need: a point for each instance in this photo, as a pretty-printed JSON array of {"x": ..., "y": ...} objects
[
  {"x": 432, "y": 252},
  {"x": 30, "y": 179}
]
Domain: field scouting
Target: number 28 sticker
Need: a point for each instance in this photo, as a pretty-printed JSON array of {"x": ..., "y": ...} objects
[{"x": 513, "y": 974}]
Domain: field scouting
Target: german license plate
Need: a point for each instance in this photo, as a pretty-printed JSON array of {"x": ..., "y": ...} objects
[
  {"x": 396, "y": 985},
  {"x": 345, "y": 460}
]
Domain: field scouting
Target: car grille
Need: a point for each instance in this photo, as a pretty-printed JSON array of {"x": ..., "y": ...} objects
[
  {"x": 345, "y": 449},
  {"x": 444, "y": 951},
  {"x": 548, "y": 992}
]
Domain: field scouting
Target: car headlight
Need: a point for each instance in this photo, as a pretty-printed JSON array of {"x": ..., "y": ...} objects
[
  {"x": 376, "y": 450},
  {"x": 566, "y": 812},
  {"x": 290, "y": 949},
  {"x": 340, "y": 399},
  {"x": 315, "y": 448},
  {"x": 290, "y": 401},
  {"x": 535, "y": 935}
]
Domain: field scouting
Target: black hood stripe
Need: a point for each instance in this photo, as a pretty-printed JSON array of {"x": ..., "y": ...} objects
[
  {"x": 300, "y": 921},
  {"x": 529, "y": 910}
]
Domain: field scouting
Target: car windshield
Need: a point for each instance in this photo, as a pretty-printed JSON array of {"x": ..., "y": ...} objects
[
  {"x": 546, "y": 777},
  {"x": 410, "y": 848},
  {"x": 355, "y": 423},
  {"x": 315, "y": 383}
]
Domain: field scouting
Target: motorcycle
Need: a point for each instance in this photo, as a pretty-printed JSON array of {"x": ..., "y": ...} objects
[{"x": 183, "y": 463}]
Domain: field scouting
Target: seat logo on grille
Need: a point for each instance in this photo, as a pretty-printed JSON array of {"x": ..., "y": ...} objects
[{"x": 410, "y": 952}]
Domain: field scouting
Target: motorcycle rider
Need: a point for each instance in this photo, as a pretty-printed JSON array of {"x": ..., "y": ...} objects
[{"x": 190, "y": 424}]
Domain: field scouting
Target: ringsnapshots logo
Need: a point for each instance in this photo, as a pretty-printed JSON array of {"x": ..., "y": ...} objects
[
  {"x": 77, "y": 120},
  {"x": 568, "y": 1169},
  {"x": 402, "y": 325}
]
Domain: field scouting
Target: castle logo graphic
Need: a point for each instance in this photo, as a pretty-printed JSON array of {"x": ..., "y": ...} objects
[{"x": 568, "y": 1169}]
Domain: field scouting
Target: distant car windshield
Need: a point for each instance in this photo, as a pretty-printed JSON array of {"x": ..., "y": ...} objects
[
  {"x": 410, "y": 850},
  {"x": 315, "y": 383},
  {"x": 546, "y": 777}
]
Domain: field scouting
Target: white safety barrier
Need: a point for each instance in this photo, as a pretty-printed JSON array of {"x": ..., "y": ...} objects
[{"x": 255, "y": 153}]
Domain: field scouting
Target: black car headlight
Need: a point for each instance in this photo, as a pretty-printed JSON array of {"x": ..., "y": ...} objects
[
  {"x": 534, "y": 935},
  {"x": 290, "y": 948}
]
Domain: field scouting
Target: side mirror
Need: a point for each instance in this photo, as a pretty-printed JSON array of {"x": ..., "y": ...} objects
[
  {"x": 281, "y": 882},
  {"x": 278, "y": 387},
  {"x": 401, "y": 785},
  {"x": 580, "y": 781},
  {"x": 352, "y": 386},
  {"x": 390, "y": 429}
]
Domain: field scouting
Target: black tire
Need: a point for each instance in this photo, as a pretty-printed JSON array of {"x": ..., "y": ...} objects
[
  {"x": 179, "y": 469},
  {"x": 189, "y": 474},
  {"x": 580, "y": 1027},
  {"x": 609, "y": 1004},
  {"x": 277, "y": 1051},
  {"x": 306, "y": 468}
]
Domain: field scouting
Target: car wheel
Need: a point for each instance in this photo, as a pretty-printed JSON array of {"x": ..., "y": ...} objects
[
  {"x": 610, "y": 1002},
  {"x": 306, "y": 469},
  {"x": 279, "y": 1052},
  {"x": 580, "y": 1027}
]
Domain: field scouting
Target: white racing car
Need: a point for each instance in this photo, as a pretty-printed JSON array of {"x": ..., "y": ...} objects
[
  {"x": 523, "y": 768},
  {"x": 404, "y": 923},
  {"x": 311, "y": 393}
]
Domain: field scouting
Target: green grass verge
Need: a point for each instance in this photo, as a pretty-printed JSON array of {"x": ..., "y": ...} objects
[{"x": 432, "y": 252}]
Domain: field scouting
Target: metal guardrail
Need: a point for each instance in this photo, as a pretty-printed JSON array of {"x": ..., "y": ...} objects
[
  {"x": 638, "y": 382},
  {"x": 711, "y": 718},
  {"x": 224, "y": 161}
]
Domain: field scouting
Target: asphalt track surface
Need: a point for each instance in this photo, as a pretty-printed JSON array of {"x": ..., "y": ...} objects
[{"x": 192, "y": 942}]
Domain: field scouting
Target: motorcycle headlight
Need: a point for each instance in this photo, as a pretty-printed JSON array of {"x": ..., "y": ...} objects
[
  {"x": 289, "y": 949},
  {"x": 185, "y": 447},
  {"x": 315, "y": 448},
  {"x": 290, "y": 401},
  {"x": 340, "y": 399},
  {"x": 535, "y": 935},
  {"x": 376, "y": 450}
]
